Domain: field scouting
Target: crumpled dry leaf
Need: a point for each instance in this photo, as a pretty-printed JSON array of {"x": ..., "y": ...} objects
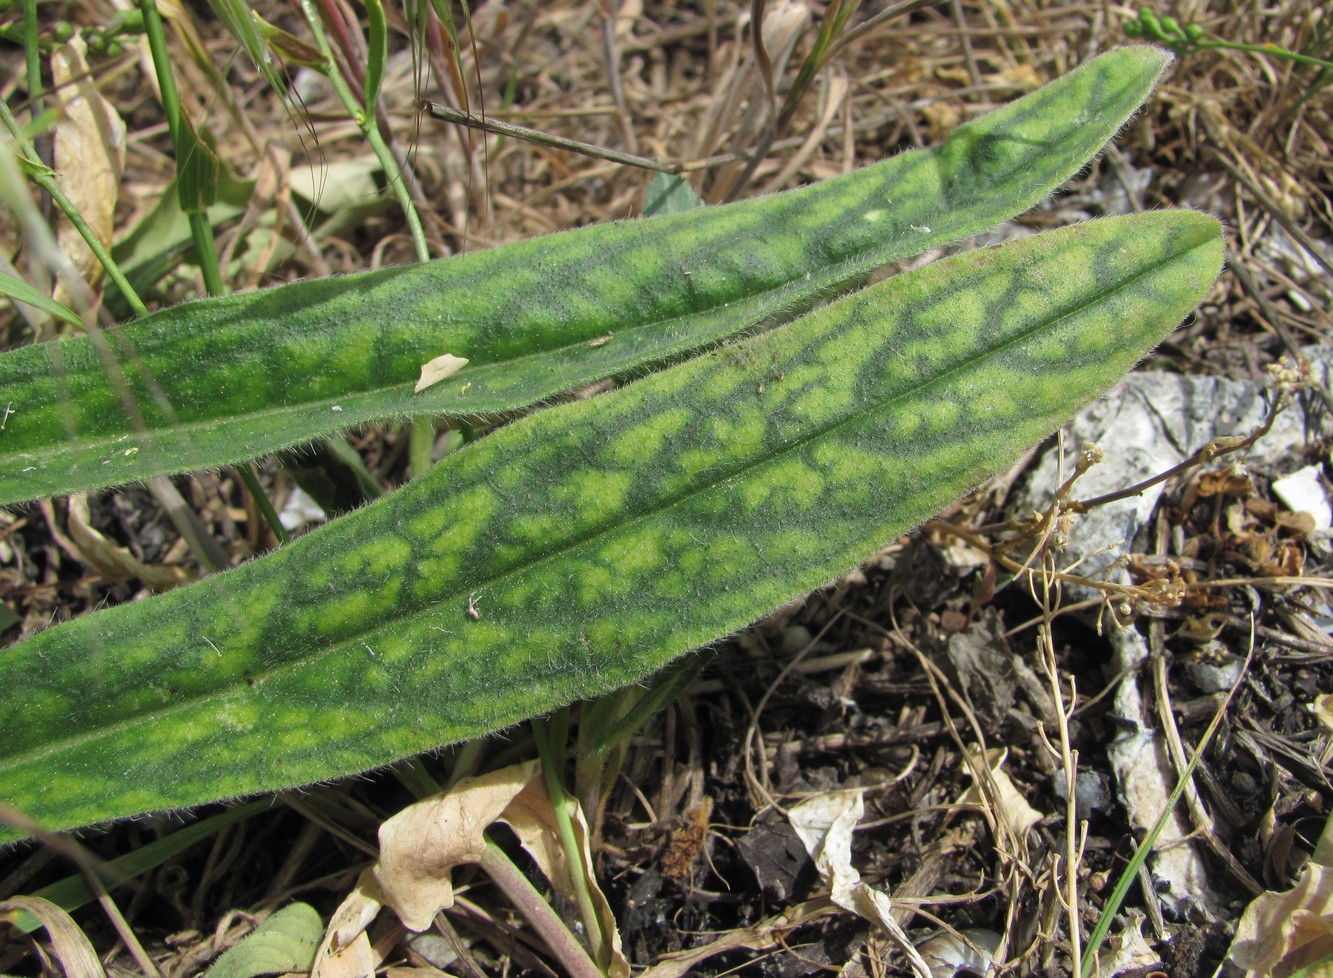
[
  {"x": 1014, "y": 811},
  {"x": 1280, "y": 933},
  {"x": 421, "y": 845},
  {"x": 1128, "y": 950},
  {"x": 346, "y": 951},
  {"x": 972, "y": 951},
  {"x": 113, "y": 562},
  {"x": 434, "y": 371},
  {"x": 825, "y": 824},
  {"x": 89, "y": 157}
]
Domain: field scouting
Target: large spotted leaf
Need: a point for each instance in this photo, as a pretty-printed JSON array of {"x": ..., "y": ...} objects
[
  {"x": 585, "y": 546},
  {"x": 213, "y": 382}
]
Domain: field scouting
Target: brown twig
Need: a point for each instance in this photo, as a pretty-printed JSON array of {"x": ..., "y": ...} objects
[{"x": 495, "y": 126}]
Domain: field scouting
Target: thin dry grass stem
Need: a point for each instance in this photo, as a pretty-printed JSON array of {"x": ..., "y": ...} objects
[
  {"x": 1010, "y": 849},
  {"x": 1276, "y": 212},
  {"x": 741, "y": 115},
  {"x": 876, "y": 21},
  {"x": 120, "y": 925},
  {"x": 498, "y": 930},
  {"x": 1199, "y": 816},
  {"x": 1045, "y": 591},
  {"x": 92, "y": 870},
  {"x": 761, "y": 936},
  {"x": 316, "y": 815},
  {"x": 1203, "y": 822},
  {"x": 756, "y": 774},
  {"x": 610, "y": 10},
  {"x": 834, "y": 95},
  {"x": 492, "y": 125}
]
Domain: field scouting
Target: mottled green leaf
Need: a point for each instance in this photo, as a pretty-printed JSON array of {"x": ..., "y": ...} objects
[
  {"x": 583, "y": 547},
  {"x": 221, "y": 380}
]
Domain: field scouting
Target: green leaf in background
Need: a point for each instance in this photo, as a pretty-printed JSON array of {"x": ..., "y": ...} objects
[
  {"x": 161, "y": 241},
  {"x": 16, "y": 288},
  {"x": 222, "y": 380},
  {"x": 586, "y": 546},
  {"x": 285, "y": 942},
  {"x": 669, "y": 193}
]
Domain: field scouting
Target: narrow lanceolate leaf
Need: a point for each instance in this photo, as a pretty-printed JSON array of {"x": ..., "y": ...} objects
[
  {"x": 583, "y": 547},
  {"x": 218, "y": 381}
]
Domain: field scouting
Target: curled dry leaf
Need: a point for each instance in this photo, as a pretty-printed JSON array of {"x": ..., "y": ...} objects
[
  {"x": 1012, "y": 809},
  {"x": 1281, "y": 933},
  {"x": 421, "y": 845},
  {"x": 434, "y": 371},
  {"x": 1128, "y": 951},
  {"x": 111, "y": 561},
  {"x": 949, "y": 952},
  {"x": 69, "y": 945},
  {"x": 346, "y": 951},
  {"x": 89, "y": 156},
  {"x": 825, "y": 824}
]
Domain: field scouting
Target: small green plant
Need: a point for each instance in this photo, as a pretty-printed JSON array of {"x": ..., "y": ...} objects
[
  {"x": 1186, "y": 39},
  {"x": 587, "y": 545}
]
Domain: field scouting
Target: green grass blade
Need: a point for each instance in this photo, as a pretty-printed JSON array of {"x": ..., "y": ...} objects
[
  {"x": 377, "y": 52},
  {"x": 586, "y": 546},
  {"x": 16, "y": 288},
  {"x": 223, "y": 380},
  {"x": 73, "y": 892}
]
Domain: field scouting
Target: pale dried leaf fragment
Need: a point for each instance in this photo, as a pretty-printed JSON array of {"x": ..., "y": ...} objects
[
  {"x": 89, "y": 157},
  {"x": 971, "y": 951},
  {"x": 434, "y": 371},
  {"x": 111, "y": 561},
  {"x": 1281, "y": 933},
  {"x": 1013, "y": 809},
  {"x": 346, "y": 951},
  {"x": 421, "y": 845},
  {"x": 1128, "y": 950},
  {"x": 824, "y": 825}
]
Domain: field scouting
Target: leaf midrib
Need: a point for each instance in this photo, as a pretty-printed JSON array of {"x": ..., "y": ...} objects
[{"x": 797, "y": 287}]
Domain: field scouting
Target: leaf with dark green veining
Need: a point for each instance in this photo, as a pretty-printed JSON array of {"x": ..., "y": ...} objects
[
  {"x": 586, "y": 546},
  {"x": 221, "y": 380}
]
